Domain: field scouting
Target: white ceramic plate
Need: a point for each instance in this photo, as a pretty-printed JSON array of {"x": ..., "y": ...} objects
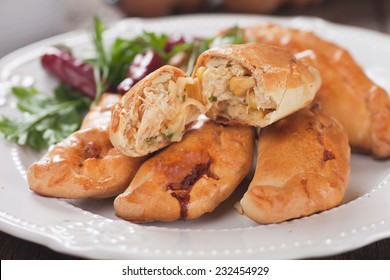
[{"x": 89, "y": 228}]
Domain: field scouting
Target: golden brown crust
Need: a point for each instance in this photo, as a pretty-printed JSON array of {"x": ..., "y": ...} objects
[
  {"x": 361, "y": 106},
  {"x": 128, "y": 115},
  {"x": 189, "y": 178},
  {"x": 85, "y": 164},
  {"x": 302, "y": 168},
  {"x": 286, "y": 81},
  {"x": 99, "y": 115}
]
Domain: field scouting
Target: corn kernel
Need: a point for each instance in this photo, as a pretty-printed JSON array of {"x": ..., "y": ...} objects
[
  {"x": 199, "y": 72},
  {"x": 240, "y": 85},
  {"x": 194, "y": 90},
  {"x": 251, "y": 100}
]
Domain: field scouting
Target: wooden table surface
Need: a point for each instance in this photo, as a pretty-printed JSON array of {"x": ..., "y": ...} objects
[{"x": 371, "y": 14}]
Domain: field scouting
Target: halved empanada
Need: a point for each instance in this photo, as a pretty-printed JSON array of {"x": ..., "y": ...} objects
[
  {"x": 254, "y": 84},
  {"x": 155, "y": 112}
]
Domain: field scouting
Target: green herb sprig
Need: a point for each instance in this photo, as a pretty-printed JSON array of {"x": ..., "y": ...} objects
[
  {"x": 111, "y": 63},
  {"x": 45, "y": 120},
  {"x": 233, "y": 35}
]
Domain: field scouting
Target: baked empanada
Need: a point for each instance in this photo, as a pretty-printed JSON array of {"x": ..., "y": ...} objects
[
  {"x": 254, "y": 84},
  {"x": 302, "y": 168},
  {"x": 85, "y": 164},
  {"x": 347, "y": 94},
  {"x": 155, "y": 112},
  {"x": 191, "y": 177}
]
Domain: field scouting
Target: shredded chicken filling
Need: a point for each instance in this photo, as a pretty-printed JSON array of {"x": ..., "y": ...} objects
[
  {"x": 230, "y": 88},
  {"x": 167, "y": 107}
]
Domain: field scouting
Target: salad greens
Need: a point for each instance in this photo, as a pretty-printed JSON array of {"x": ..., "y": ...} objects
[
  {"x": 45, "y": 120},
  {"x": 100, "y": 63},
  {"x": 111, "y": 64}
]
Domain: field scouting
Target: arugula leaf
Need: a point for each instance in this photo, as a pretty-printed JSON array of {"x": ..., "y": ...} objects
[
  {"x": 197, "y": 48},
  {"x": 100, "y": 63},
  {"x": 234, "y": 35},
  {"x": 156, "y": 42},
  {"x": 121, "y": 54},
  {"x": 45, "y": 120}
]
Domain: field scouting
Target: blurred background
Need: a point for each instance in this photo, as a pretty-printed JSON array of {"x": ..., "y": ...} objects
[{"x": 25, "y": 21}]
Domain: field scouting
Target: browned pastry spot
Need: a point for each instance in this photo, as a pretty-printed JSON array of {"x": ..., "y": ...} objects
[
  {"x": 90, "y": 151},
  {"x": 328, "y": 155}
]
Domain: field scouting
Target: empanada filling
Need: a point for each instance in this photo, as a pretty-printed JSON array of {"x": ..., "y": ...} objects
[
  {"x": 232, "y": 90},
  {"x": 166, "y": 107},
  {"x": 181, "y": 190}
]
